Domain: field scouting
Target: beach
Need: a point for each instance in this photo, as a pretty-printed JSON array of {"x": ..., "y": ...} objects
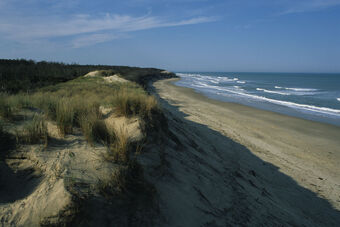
[{"x": 305, "y": 152}]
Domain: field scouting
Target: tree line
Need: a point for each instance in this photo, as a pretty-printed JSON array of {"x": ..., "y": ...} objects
[{"x": 27, "y": 75}]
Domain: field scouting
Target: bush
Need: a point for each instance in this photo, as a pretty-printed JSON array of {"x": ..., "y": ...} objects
[{"x": 34, "y": 132}]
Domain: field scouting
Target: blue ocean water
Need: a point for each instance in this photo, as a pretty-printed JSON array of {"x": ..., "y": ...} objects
[{"x": 309, "y": 96}]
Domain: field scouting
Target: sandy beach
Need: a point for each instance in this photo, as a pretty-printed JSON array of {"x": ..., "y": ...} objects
[{"x": 295, "y": 161}]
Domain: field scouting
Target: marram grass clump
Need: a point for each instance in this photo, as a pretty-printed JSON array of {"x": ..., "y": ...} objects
[
  {"x": 6, "y": 110},
  {"x": 94, "y": 129},
  {"x": 65, "y": 116},
  {"x": 129, "y": 102},
  {"x": 34, "y": 132},
  {"x": 119, "y": 150}
]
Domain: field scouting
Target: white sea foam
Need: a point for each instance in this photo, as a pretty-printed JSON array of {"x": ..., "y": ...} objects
[
  {"x": 239, "y": 88},
  {"x": 296, "y": 89},
  {"x": 323, "y": 110},
  {"x": 240, "y": 82},
  {"x": 273, "y": 92},
  {"x": 211, "y": 83}
]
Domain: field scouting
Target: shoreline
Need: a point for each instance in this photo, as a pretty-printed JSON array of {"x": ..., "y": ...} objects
[
  {"x": 295, "y": 102},
  {"x": 307, "y": 151},
  {"x": 222, "y": 102}
]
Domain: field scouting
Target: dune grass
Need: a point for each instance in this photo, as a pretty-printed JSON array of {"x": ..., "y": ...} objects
[
  {"x": 93, "y": 127},
  {"x": 128, "y": 181},
  {"x": 128, "y": 103},
  {"x": 6, "y": 110},
  {"x": 119, "y": 149},
  {"x": 65, "y": 116},
  {"x": 34, "y": 132},
  {"x": 77, "y": 103}
]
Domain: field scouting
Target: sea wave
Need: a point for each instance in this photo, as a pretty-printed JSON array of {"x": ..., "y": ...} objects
[
  {"x": 240, "y": 82},
  {"x": 272, "y": 92},
  {"x": 210, "y": 79},
  {"x": 296, "y": 89},
  {"x": 317, "y": 109},
  {"x": 215, "y": 85},
  {"x": 239, "y": 88}
]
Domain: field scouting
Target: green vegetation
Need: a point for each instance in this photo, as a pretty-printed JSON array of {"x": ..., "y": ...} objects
[
  {"x": 77, "y": 103},
  {"x": 27, "y": 75}
]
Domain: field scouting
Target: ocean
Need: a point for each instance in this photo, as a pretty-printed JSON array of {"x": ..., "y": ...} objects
[{"x": 305, "y": 95}]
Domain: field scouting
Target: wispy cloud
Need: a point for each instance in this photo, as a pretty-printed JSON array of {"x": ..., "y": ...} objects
[
  {"x": 91, "y": 39},
  {"x": 90, "y": 29},
  {"x": 310, "y": 6}
]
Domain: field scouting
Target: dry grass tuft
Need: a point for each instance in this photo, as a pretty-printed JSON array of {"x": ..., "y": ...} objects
[
  {"x": 128, "y": 103},
  {"x": 119, "y": 148},
  {"x": 6, "y": 110},
  {"x": 128, "y": 182},
  {"x": 65, "y": 116},
  {"x": 34, "y": 132},
  {"x": 93, "y": 128}
]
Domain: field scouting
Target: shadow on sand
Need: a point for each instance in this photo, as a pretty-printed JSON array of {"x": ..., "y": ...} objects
[{"x": 257, "y": 193}]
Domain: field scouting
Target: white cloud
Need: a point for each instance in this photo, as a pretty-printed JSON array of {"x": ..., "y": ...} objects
[
  {"x": 310, "y": 6},
  {"x": 90, "y": 29},
  {"x": 88, "y": 40}
]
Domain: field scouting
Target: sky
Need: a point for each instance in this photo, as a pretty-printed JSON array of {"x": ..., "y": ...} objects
[{"x": 177, "y": 35}]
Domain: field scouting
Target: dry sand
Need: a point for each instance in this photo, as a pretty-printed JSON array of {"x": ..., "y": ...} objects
[{"x": 237, "y": 165}]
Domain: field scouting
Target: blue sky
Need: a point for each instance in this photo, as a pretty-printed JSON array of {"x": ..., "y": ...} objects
[{"x": 178, "y": 35}]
